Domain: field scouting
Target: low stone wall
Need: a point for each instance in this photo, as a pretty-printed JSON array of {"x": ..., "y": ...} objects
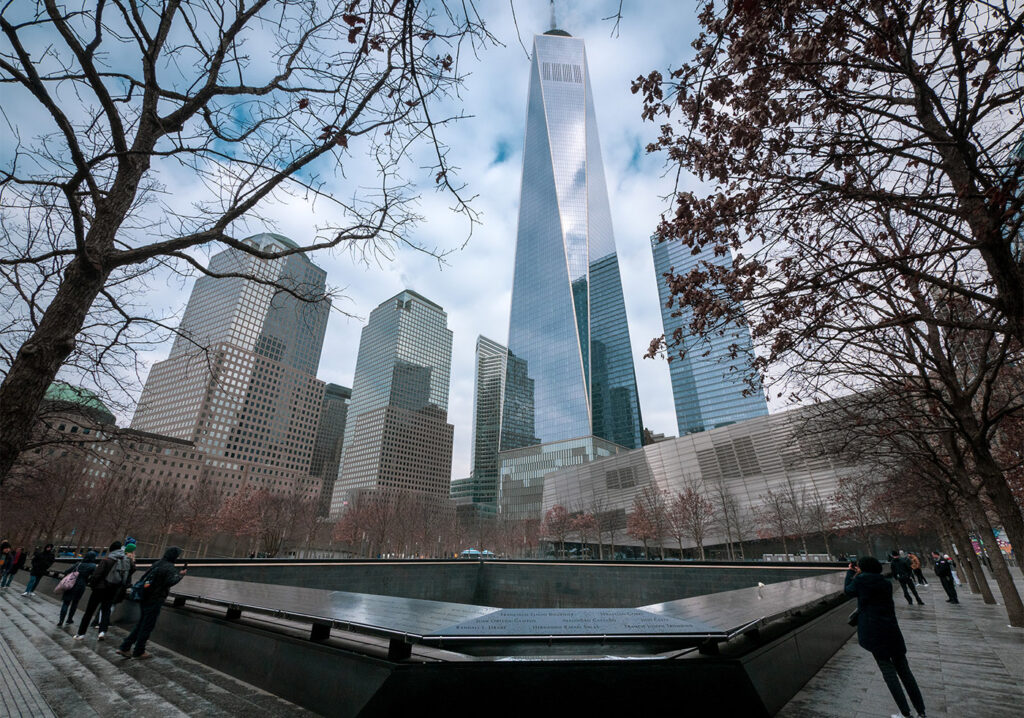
[{"x": 511, "y": 584}]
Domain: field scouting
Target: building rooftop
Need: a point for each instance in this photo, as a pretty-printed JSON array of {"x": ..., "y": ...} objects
[{"x": 67, "y": 396}]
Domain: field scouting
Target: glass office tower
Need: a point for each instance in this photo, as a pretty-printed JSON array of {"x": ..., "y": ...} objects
[
  {"x": 488, "y": 397},
  {"x": 397, "y": 435},
  {"x": 570, "y": 370},
  {"x": 708, "y": 384}
]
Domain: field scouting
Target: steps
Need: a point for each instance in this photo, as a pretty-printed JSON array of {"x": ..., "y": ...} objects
[{"x": 87, "y": 678}]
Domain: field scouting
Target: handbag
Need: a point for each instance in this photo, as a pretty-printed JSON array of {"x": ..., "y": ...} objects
[
  {"x": 853, "y": 617},
  {"x": 68, "y": 582}
]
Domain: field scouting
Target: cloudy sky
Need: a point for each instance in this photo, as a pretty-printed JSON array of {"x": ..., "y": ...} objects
[{"x": 474, "y": 286}]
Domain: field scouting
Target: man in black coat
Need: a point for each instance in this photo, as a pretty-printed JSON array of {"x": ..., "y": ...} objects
[
  {"x": 879, "y": 632},
  {"x": 156, "y": 585},
  {"x": 944, "y": 570},
  {"x": 41, "y": 562},
  {"x": 902, "y": 572}
]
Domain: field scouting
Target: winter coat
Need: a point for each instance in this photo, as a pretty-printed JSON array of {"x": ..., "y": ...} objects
[
  {"x": 41, "y": 562},
  {"x": 915, "y": 562},
  {"x": 901, "y": 570},
  {"x": 944, "y": 567},
  {"x": 85, "y": 568},
  {"x": 7, "y": 562},
  {"x": 877, "y": 628},
  {"x": 161, "y": 576}
]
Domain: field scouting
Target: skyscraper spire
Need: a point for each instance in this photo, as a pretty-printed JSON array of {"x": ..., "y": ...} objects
[{"x": 554, "y": 24}]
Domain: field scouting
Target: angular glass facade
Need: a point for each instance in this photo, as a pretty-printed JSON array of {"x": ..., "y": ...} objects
[
  {"x": 570, "y": 370},
  {"x": 708, "y": 384},
  {"x": 491, "y": 360},
  {"x": 397, "y": 435}
]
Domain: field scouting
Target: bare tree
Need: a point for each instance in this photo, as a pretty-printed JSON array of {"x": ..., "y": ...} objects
[
  {"x": 803, "y": 114},
  {"x": 774, "y": 515},
  {"x": 648, "y": 520},
  {"x": 557, "y": 525},
  {"x": 695, "y": 512},
  {"x": 251, "y": 103}
]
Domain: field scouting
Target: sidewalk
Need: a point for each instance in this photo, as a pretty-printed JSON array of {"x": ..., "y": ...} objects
[
  {"x": 966, "y": 659},
  {"x": 47, "y": 674}
]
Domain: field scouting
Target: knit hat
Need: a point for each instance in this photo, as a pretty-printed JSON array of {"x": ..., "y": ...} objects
[{"x": 129, "y": 548}]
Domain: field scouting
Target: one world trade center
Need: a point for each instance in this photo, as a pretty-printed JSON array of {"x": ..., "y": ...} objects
[{"x": 570, "y": 371}]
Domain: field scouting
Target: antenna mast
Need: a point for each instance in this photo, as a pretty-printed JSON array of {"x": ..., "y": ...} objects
[{"x": 554, "y": 25}]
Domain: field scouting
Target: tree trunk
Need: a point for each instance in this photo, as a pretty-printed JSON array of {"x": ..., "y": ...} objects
[
  {"x": 1004, "y": 579},
  {"x": 998, "y": 492},
  {"x": 41, "y": 356},
  {"x": 980, "y": 583},
  {"x": 828, "y": 550}
]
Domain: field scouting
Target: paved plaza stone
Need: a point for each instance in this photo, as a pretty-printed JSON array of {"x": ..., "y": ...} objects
[
  {"x": 44, "y": 672},
  {"x": 968, "y": 662}
]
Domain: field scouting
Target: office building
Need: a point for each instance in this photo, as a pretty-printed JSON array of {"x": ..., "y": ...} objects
[
  {"x": 488, "y": 397},
  {"x": 397, "y": 435},
  {"x": 708, "y": 382},
  {"x": 570, "y": 375},
  {"x": 240, "y": 380},
  {"x": 330, "y": 433}
]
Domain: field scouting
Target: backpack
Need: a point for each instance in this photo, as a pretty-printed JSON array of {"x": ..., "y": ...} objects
[
  {"x": 119, "y": 572},
  {"x": 138, "y": 590}
]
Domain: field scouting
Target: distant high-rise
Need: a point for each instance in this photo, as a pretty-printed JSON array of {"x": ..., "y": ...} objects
[
  {"x": 567, "y": 330},
  {"x": 708, "y": 383},
  {"x": 240, "y": 380},
  {"x": 397, "y": 435},
  {"x": 327, "y": 447},
  {"x": 491, "y": 361}
]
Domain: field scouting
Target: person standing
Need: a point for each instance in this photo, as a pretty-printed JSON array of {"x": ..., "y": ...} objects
[
  {"x": 108, "y": 579},
  {"x": 155, "y": 587},
  {"x": 12, "y": 562},
  {"x": 903, "y": 573},
  {"x": 69, "y": 601},
  {"x": 915, "y": 566},
  {"x": 878, "y": 632},
  {"x": 944, "y": 570},
  {"x": 41, "y": 562}
]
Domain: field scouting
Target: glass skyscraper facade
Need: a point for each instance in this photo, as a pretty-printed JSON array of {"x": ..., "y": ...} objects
[
  {"x": 488, "y": 397},
  {"x": 240, "y": 380},
  {"x": 570, "y": 368},
  {"x": 708, "y": 383},
  {"x": 397, "y": 435},
  {"x": 330, "y": 432}
]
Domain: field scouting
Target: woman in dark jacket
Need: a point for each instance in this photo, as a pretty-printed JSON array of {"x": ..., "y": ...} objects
[
  {"x": 879, "y": 632},
  {"x": 69, "y": 603},
  {"x": 41, "y": 562}
]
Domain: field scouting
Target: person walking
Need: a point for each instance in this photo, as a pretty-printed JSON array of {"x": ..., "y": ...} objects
[
  {"x": 12, "y": 562},
  {"x": 903, "y": 573},
  {"x": 878, "y": 632},
  {"x": 69, "y": 601},
  {"x": 41, "y": 562},
  {"x": 109, "y": 578},
  {"x": 944, "y": 570},
  {"x": 915, "y": 566},
  {"x": 155, "y": 586}
]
